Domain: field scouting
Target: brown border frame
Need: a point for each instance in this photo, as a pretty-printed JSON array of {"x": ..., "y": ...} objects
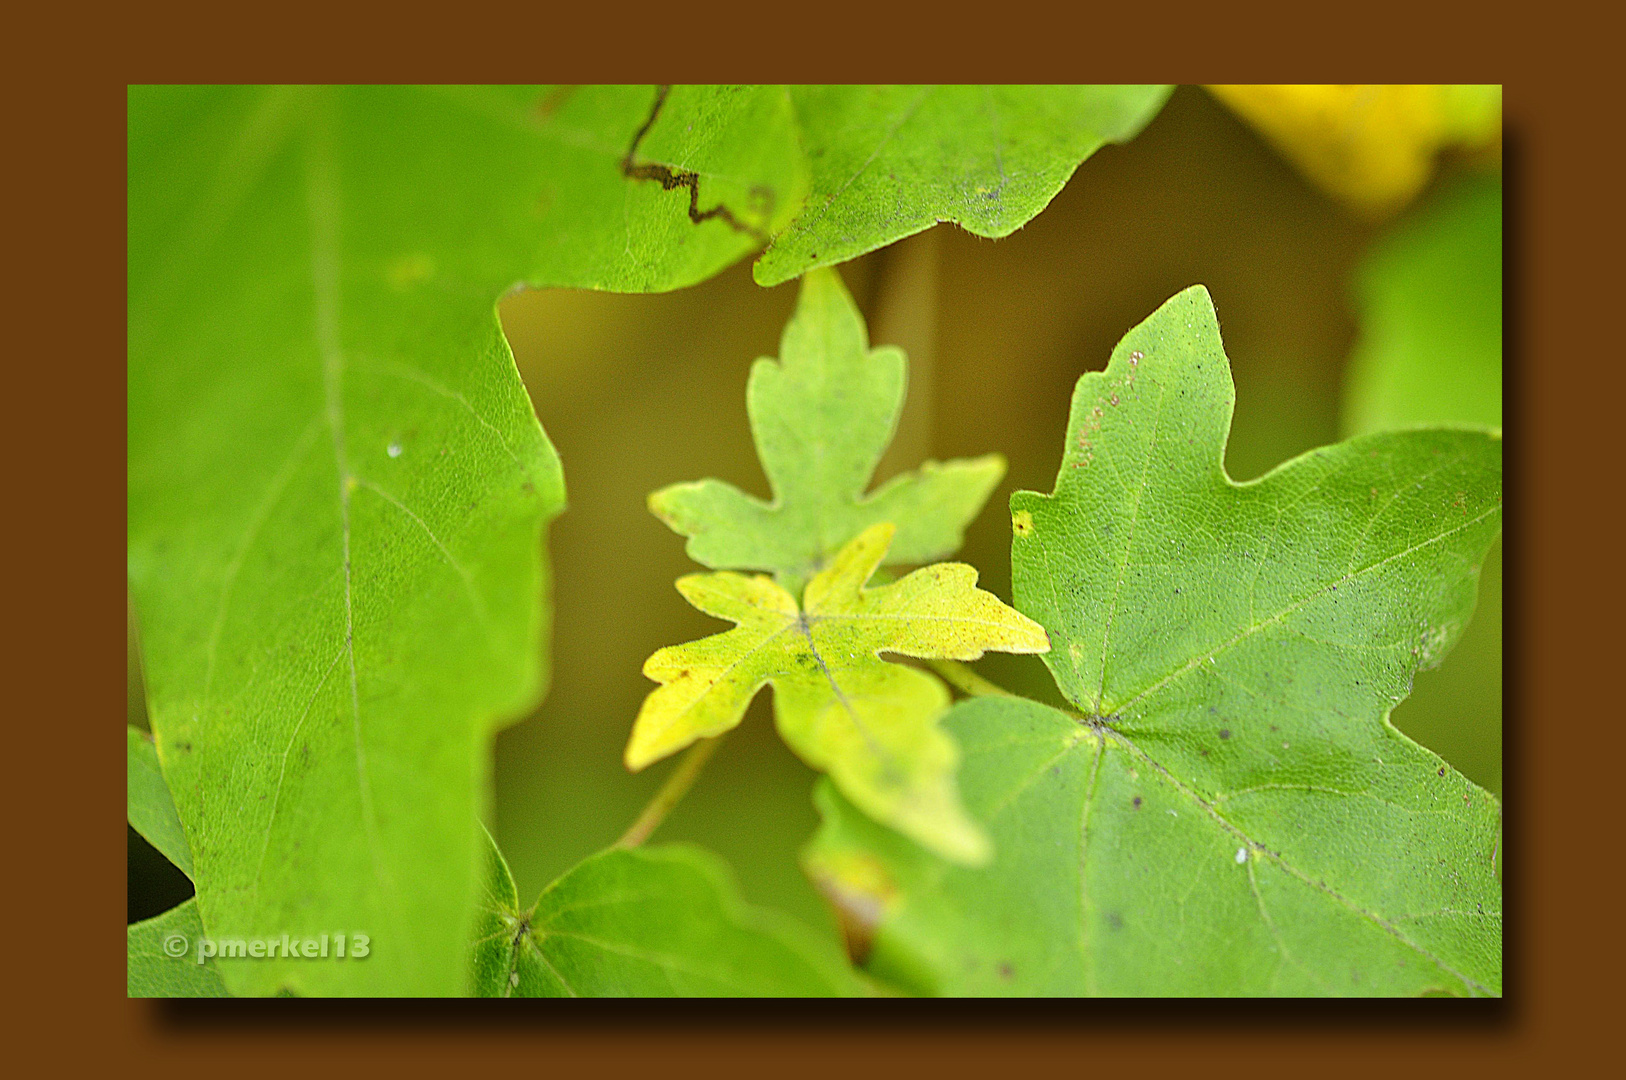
[{"x": 1562, "y": 296}]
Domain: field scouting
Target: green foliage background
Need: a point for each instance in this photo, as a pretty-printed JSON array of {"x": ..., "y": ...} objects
[{"x": 638, "y": 392}]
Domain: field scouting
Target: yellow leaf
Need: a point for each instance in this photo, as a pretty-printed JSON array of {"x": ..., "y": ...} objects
[
  {"x": 871, "y": 725},
  {"x": 1372, "y": 146}
]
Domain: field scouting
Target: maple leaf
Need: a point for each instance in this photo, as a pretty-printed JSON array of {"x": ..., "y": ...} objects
[
  {"x": 1231, "y": 811},
  {"x": 822, "y": 416},
  {"x": 647, "y": 922},
  {"x": 871, "y": 725}
]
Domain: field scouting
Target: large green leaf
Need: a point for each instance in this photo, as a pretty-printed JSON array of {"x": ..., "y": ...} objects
[
  {"x": 645, "y": 922},
  {"x": 1232, "y": 812},
  {"x": 1430, "y": 301},
  {"x": 822, "y": 417},
  {"x": 889, "y": 161},
  {"x": 151, "y": 810},
  {"x": 164, "y": 961},
  {"x": 337, "y": 489}
]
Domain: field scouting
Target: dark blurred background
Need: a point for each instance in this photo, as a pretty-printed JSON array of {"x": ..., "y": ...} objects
[{"x": 641, "y": 391}]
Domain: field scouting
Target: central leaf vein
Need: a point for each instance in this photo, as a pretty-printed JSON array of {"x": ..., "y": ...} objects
[
  {"x": 324, "y": 207},
  {"x": 1129, "y": 546}
]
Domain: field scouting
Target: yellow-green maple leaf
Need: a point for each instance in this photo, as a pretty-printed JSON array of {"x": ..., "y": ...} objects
[{"x": 871, "y": 725}]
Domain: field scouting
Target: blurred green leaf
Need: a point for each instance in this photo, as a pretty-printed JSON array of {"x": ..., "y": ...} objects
[
  {"x": 822, "y": 416},
  {"x": 151, "y": 810},
  {"x": 1429, "y": 298},
  {"x": 163, "y": 958},
  {"x": 889, "y": 161},
  {"x": 645, "y": 922},
  {"x": 337, "y": 489},
  {"x": 870, "y": 724},
  {"x": 1232, "y": 814}
]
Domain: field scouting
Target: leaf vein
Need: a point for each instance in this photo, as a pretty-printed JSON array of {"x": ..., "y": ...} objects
[
  {"x": 412, "y": 374},
  {"x": 1276, "y": 858},
  {"x": 324, "y": 211},
  {"x": 1083, "y": 855},
  {"x": 1295, "y": 607},
  {"x": 468, "y": 580}
]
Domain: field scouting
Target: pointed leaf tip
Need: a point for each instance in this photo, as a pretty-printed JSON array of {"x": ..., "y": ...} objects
[{"x": 822, "y": 414}]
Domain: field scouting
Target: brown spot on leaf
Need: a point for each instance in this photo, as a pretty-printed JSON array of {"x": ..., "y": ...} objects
[{"x": 552, "y": 100}]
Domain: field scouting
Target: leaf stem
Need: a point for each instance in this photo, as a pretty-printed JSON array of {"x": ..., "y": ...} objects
[
  {"x": 671, "y": 793},
  {"x": 967, "y": 681}
]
